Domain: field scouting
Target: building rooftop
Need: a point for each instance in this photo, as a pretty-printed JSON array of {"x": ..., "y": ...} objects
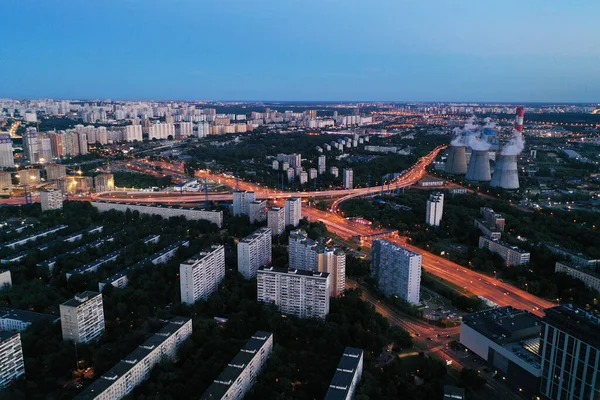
[
  {"x": 4, "y": 335},
  {"x": 504, "y": 324},
  {"x": 257, "y": 233},
  {"x": 294, "y": 272},
  {"x": 80, "y": 298},
  {"x": 397, "y": 247},
  {"x": 507, "y": 245},
  {"x": 128, "y": 362},
  {"x": 344, "y": 374},
  {"x": 203, "y": 254},
  {"x": 27, "y": 316},
  {"x": 575, "y": 321},
  {"x": 175, "y": 207},
  {"x": 233, "y": 370}
]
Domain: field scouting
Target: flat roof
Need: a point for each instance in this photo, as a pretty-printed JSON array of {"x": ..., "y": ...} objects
[
  {"x": 176, "y": 207},
  {"x": 257, "y": 233},
  {"x": 80, "y": 298},
  {"x": 503, "y": 324},
  {"x": 26, "y": 316},
  {"x": 397, "y": 247},
  {"x": 289, "y": 271},
  {"x": 344, "y": 374},
  {"x": 128, "y": 362},
  {"x": 507, "y": 245},
  {"x": 233, "y": 370}
]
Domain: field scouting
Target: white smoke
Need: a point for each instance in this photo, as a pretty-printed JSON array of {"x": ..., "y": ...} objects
[
  {"x": 461, "y": 134},
  {"x": 476, "y": 143},
  {"x": 489, "y": 124},
  {"x": 515, "y": 145},
  {"x": 459, "y": 138}
]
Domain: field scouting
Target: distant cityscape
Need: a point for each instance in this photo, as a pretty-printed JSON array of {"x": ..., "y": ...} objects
[{"x": 433, "y": 250}]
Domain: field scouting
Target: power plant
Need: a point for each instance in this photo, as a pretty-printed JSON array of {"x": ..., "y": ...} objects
[
  {"x": 456, "y": 163},
  {"x": 506, "y": 174},
  {"x": 479, "y": 166}
]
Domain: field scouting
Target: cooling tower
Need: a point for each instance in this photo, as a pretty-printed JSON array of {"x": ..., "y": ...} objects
[
  {"x": 456, "y": 163},
  {"x": 506, "y": 174},
  {"x": 479, "y": 167}
]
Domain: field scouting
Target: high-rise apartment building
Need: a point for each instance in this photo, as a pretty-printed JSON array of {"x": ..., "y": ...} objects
[
  {"x": 396, "y": 270},
  {"x": 304, "y": 294},
  {"x": 203, "y": 129},
  {"x": 347, "y": 375},
  {"x": 321, "y": 164},
  {"x": 294, "y": 160},
  {"x": 55, "y": 171},
  {"x": 132, "y": 133},
  {"x": 104, "y": 182},
  {"x": 293, "y": 211},
  {"x": 29, "y": 176},
  {"x": 12, "y": 365},
  {"x": 254, "y": 251},
  {"x": 240, "y": 374},
  {"x": 334, "y": 171},
  {"x": 51, "y": 199},
  {"x": 31, "y": 146},
  {"x": 82, "y": 317},
  {"x": 435, "y": 209},
  {"x": 312, "y": 173},
  {"x": 493, "y": 218},
  {"x": 201, "y": 275},
  {"x": 570, "y": 350},
  {"x": 82, "y": 142},
  {"x": 276, "y": 220},
  {"x": 258, "y": 211},
  {"x": 56, "y": 145},
  {"x": 185, "y": 129},
  {"x": 5, "y": 180},
  {"x": 7, "y": 159},
  {"x": 5, "y": 278},
  {"x": 161, "y": 131},
  {"x": 241, "y": 202},
  {"x": 101, "y": 135},
  {"x": 348, "y": 178},
  {"x": 306, "y": 254}
]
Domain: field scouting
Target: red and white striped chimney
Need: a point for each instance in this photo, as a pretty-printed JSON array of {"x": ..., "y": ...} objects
[{"x": 520, "y": 115}]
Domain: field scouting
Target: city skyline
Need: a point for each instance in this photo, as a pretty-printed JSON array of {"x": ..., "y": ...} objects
[{"x": 332, "y": 51}]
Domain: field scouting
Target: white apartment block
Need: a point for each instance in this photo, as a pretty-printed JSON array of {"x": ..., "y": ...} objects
[
  {"x": 321, "y": 164},
  {"x": 347, "y": 375},
  {"x": 258, "y": 211},
  {"x": 82, "y": 317},
  {"x": 132, "y": 133},
  {"x": 333, "y": 262},
  {"x": 396, "y": 270},
  {"x": 512, "y": 255},
  {"x": 5, "y": 278},
  {"x": 190, "y": 213},
  {"x": 302, "y": 251},
  {"x": 435, "y": 209},
  {"x": 348, "y": 178},
  {"x": 304, "y": 294},
  {"x": 201, "y": 275},
  {"x": 12, "y": 365},
  {"x": 186, "y": 129},
  {"x": 161, "y": 131},
  {"x": 294, "y": 160},
  {"x": 293, "y": 211},
  {"x": 334, "y": 171},
  {"x": 203, "y": 129},
  {"x": 7, "y": 159},
  {"x": 254, "y": 251},
  {"x": 240, "y": 374},
  {"x": 51, "y": 199},
  {"x": 312, "y": 173},
  {"x": 589, "y": 277},
  {"x": 14, "y": 320},
  {"x": 276, "y": 220},
  {"x": 132, "y": 370},
  {"x": 241, "y": 202}
]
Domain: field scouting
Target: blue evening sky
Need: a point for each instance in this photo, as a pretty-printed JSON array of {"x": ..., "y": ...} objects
[{"x": 421, "y": 50}]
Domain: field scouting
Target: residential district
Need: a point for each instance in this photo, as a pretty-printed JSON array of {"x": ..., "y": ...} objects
[{"x": 264, "y": 251}]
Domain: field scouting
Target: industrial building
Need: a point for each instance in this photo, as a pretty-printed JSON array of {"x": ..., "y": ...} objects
[
  {"x": 570, "y": 353},
  {"x": 201, "y": 275},
  {"x": 347, "y": 375},
  {"x": 135, "y": 368},
  {"x": 254, "y": 251},
  {"x": 479, "y": 167},
  {"x": 240, "y": 374},
  {"x": 512, "y": 255},
  {"x": 82, "y": 317},
  {"x": 304, "y": 294},
  {"x": 506, "y": 173},
  {"x": 508, "y": 340},
  {"x": 216, "y": 217},
  {"x": 396, "y": 270},
  {"x": 456, "y": 163}
]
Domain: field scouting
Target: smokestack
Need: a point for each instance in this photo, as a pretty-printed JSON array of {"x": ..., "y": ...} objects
[
  {"x": 506, "y": 174},
  {"x": 479, "y": 166},
  {"x": 456, "y": 163},
  {"x": 520, "y": 116}
]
